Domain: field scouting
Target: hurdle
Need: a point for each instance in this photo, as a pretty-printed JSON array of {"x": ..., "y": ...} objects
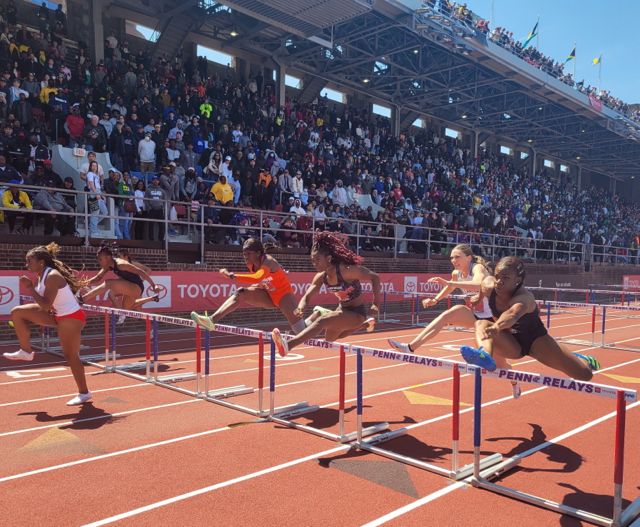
[
  {"x": 283, "y": 417},
  {"x": 455, "y": 472},
  {"x": 482, "y": 477}
]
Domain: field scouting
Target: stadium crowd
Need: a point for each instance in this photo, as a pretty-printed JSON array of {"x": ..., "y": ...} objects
[
  {"x": 505, "y": 38},
  {"x": 176, "y": 131}
]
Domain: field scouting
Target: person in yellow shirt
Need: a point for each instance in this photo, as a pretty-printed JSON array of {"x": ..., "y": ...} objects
[
  {"x": 46, "y": 92},
  {"x": 14, "y": 198},
  {"x": 222, "y": 191}
]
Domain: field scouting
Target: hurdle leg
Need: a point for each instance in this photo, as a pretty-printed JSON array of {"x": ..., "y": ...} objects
[
  {"x": 198, "y": 359},
  {"x": 359, "y": 398},
  {"x": 618, "y": 456},
  {"x": 477, "y": 428},
  {"x": 113, "y": 342},
  {"x": 147, "y": 347},
  {"x": 341, "y": 393},
  {"x": 106, "y": 341},
  {"x": 455, "y": 421},
  {"x": 261, "y": 375},
  {"x": 154, "y": 337}
]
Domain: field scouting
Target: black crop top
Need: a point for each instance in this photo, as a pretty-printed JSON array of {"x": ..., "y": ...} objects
[
  {"x": 528, "y": 323},
  {"x": 127, "y": 275},
  {"x": 345, "y": 291}
]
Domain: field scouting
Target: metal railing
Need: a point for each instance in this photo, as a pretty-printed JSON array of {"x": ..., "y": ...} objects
[{"x": 203, "y": 224}]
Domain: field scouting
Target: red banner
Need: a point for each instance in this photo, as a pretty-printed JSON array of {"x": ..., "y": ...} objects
[
  {"x": 197, "y": 291},
  {"x": 631, "y": 282},
  {"x": 595, "y": 103}
]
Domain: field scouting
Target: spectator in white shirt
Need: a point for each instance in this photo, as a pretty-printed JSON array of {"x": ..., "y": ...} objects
[
  {"x": 339, "y": 194},
  {"x": 297, "y": 208},
  {"x": 84, "y": 168},
  {"x": 297, "y": 185},
  {"x": 147, "y": 154}
]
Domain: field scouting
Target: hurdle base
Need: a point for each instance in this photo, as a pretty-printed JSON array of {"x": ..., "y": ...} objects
[
  {"x": 299, "y": 409},
  {"x": 577, "y": 342},
  {"x": 631, "y": 513},
  {"x": 467, "y": 470},
  {"x": 499, "y": 468},
  {"x": 370, "y": 430},
  {"x": 180, "y": 377},
  {"x": 612, "y": 345},
  {"x": 230, "y": 391},
  {"x": 387, "y": 436},
  {"x": 132, "y": 366},
  {"x": 543, "y": 503}
]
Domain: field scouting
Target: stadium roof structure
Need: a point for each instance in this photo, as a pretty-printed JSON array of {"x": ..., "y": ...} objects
[{"x": 425, "y": 63}]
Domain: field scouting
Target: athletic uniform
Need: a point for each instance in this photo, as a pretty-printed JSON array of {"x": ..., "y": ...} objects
[
  {"x": 276, "y": 283},
  {"x": 526, "y": 330},
  {"x": 65, "y": 304},
  {"x": 482, "y": 311},
  {"x": 128, "y": 276},
  {"x": 346, "y": 292}
]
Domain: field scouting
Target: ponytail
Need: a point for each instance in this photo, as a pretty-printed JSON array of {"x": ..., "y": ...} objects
[{"x": 49, "y": 253}]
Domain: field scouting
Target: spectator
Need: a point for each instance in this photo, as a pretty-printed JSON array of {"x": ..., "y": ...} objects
[
  {"x": 52, "y": 200},
  {"x": 147, "y": 154},
  {"x": 96, "y": 200},
  {"x": 155, "y": 205},
  {"x": 14, "y": 198},
  {"x": 74, "y": 125},
  {"x": 127, "y": 204}
]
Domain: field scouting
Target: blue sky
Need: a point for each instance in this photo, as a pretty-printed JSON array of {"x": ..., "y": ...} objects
[{"x": 610, "y": 29}]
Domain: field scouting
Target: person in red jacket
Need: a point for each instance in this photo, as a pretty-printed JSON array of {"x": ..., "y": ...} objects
[{"x": 74, "y": 126}]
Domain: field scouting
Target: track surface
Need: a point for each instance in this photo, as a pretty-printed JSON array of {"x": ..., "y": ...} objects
[{"x": 144, "y": 455}]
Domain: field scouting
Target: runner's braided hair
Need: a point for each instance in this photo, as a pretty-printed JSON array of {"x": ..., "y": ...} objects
[
  {"x": 49, "y": 253},
  {"x": 335, "y": 245}
]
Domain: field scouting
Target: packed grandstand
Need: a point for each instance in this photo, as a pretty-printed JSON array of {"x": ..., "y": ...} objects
[{"x": 210, "y": 153}]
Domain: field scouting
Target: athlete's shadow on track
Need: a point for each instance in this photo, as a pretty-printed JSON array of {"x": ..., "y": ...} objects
[
  {"x": 556, "y": 453},
  {"x": 327, "y": 417},
  {"x": 89, "y": 417},
  {"x": 597, "y": 503}
]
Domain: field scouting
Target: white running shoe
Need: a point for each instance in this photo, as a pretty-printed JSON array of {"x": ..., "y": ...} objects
[
  {"x": 322, "y": 311},
  {"x": 371, "y": 324},
  {"x": 19, "y": 355},
  {"x": 281, "y": 342},
  {"x": 203, "y": 321},
  {"x": 517, "y": 391},
  {"x": 79, "y": 399},
  {"x": 399, "y": 346},
  {"x": 122, "y": 319}
]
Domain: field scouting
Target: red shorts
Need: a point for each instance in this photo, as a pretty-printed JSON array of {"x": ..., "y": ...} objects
[{"x": 78, "y": 315}]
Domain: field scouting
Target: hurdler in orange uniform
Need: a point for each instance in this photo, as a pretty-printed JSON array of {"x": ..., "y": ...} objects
[{"x": 267, "y": 286}]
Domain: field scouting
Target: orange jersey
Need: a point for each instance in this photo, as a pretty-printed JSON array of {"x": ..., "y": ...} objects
[{"x": 275, "y": 281}]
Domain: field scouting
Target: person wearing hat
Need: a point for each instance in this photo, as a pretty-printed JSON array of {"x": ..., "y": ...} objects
[
  {"x": 74, "y": 125},
  {"x": 147, "y": 154},
  {"x": 14, "y": 198}
]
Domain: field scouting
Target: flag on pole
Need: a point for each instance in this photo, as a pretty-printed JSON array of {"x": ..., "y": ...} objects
[
  {"x": 597, "y": 60},
  {"x": 532, "y": 34},
  {"x": 572, "y": 55}
]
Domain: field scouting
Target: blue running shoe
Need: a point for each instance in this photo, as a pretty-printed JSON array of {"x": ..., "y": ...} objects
[
  {"x": 591, "y": 361},
  {"x": 478, "y": 357}
]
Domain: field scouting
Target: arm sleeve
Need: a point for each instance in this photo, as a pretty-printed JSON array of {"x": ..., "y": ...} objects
[{"x": 252, "y": 278}]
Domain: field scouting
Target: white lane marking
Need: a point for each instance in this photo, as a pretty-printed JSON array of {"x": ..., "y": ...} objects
[{"x": 33, "y": 373}]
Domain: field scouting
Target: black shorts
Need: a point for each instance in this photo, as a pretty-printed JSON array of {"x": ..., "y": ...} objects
[
  {"x": 490, "y": 319},
  {"x": 526, "y": 340},
  {"x": 360, "y": 310}
]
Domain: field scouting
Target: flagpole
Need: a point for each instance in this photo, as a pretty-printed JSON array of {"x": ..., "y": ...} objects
[
  {"x": 600, "y": 74},
  {"x": 575, "y": 54}
]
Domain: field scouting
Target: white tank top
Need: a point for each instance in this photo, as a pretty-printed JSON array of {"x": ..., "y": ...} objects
[
  {"x": 65, "y": 302},
  {"x": 483, "y": 310}
]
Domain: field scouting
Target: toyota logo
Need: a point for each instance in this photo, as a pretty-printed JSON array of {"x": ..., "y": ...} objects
[
  {"x": 162, "y": 291},
  {"x": 6, "y": 295},
  {"x": 411, "y": 286}
]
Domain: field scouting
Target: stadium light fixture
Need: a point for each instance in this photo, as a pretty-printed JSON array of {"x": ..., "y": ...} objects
[
  {"x": 578, "y": 158},
  {"x": 529, "y": 140},
  {"x": 366, "y": 81},
  {"x": 416, "y": 51},
  {"x": 464, "y": 115},
  {"x": 234, "y": 33}
]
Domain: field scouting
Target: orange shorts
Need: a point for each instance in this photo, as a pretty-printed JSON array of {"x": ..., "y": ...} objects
[
  {"x": 78, "y": 315},
  {"x": 277, "y": 295}
]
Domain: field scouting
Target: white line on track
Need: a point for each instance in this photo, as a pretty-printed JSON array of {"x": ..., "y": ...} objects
[
  {"x": 96, "y": 418},
  {"x": 458, "y": 485},
  {"x": 275, "y": 468},
  {"x": 199, "y": 434}
]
